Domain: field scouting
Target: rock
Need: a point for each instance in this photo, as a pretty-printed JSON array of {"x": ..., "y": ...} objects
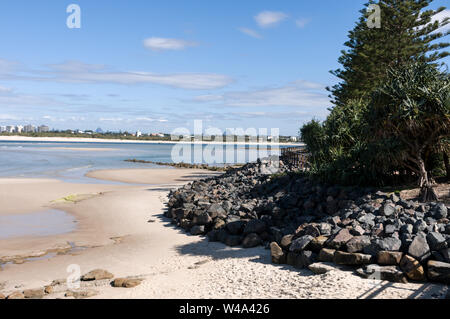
[
  {"x": 340, "y": 239},
  {"x": 277, "y": 254},
  {"x": 216, "y": 210},
  {"x": 325, "y": 229},
  {"x": 389, "y": 229},
  {"x": 446, "y": 254},
  {"x": 343, "y": 258},
  {"x": 388, "y": 210},
  {"x": 197, "y": 230},
  {"x": 357, "y": 231},
  {"x": 219, "y": 223},
  {"x": 233, "y": 240},
  {"x": 202, "y": 219},
  {"x": 389, "y": 244},
  {"x": 441, "y": 211},
  {"x": 326, "y": 254},
  {"x": 317, "y": 243},
  {"x": 286, "y": 241},
  {"x": 436, "y": 241},
  {"x": 320, "y": 268},
  {"x": 48, "y": 289},
  {"x": 412, "y": 268},
  {"x": 16, "y": 295},
  {"x": 389, "y": 257},
  {"x": 236, "y": 227},
  {"x": 33, "y": 293},
  {"x": 307, "y": 258},
  {"x": 300, "y": 244},
  {"x": 81, "y": 294},
  {"x": 389, "y": 273},
  {"x": 255, "y": 226},
  {"x": 419, "y": 248},
  {"x": 357, "y": 244},
  {"x": 126, "y": 282},
  {"x": 97, "y": 274},
  {"x": 251, "y": 240},
  {"x": 439, "y": 271}
]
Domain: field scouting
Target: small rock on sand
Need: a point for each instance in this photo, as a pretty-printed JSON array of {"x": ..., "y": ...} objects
[
  {"x": 81, "y": 294},
  {"x": 126, "y": 282},
  {"x": 16, "y": 295},
  {"x": 33, "y": 293},
  {"x": 97, "y": 274}
]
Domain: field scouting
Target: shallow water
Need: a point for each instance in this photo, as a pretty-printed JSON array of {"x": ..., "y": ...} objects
[
  {"x": 43, "y": 223},
  {"x": 70, "y": 161}
]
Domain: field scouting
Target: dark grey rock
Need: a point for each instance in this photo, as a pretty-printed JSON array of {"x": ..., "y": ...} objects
[
  {"x": 198, "y": 230},
  {"x": 440, "y": 211},
  {"x": 251, "y": 240},
  {"x": 236, "y": 227},
  {"x": 439, "y": 271},
  {"x": 300, "y": 244},
  {"x": 255, "y": 226},
  {"x": 388, "y": 209},
  {"x": 436, "y": 241},
  {"x": 357, "y": 244},
  {"x": 389, "y": 244},
  {"x": 340, "y": 239},
  {"x": 419, "y": 248}
]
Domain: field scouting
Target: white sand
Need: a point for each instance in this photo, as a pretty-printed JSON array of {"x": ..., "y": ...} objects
[{"x": 172, "y": 263}]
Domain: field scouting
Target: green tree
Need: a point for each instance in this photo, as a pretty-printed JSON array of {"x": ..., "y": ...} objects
[
  {"x": 407, "y": 34},
  {"x": 411, "y": 112}
]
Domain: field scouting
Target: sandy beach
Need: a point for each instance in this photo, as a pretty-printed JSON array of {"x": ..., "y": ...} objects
[{"x": 121, "y": 228}]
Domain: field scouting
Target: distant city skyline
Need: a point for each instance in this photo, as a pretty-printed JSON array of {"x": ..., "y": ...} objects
[{"x": 160, "y": 65}]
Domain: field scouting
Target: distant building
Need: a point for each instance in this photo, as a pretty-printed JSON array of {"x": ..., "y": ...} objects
[
  {"x": 19, "y": 129},
  {"x": 29, "y": 128},
  {"x": 43, "y": 129},
  {"x": 138, "y": 134},
  {"x": 2, "y": 129},
  {"x": 294, "y": 138},
  {"x": 10, "y": 129}
]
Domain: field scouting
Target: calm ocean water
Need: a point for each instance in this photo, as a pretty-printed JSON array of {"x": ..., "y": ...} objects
[{"x": 71, "y": 161}]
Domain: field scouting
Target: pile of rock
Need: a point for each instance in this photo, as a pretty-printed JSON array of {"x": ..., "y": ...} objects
[{"x": 304, "y": 222}]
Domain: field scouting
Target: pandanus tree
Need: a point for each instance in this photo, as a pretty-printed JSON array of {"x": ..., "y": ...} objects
[{"x": 412, "y": 111}]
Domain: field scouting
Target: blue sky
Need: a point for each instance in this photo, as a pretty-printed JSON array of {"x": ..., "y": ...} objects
[{"x": 158, "y": 65}]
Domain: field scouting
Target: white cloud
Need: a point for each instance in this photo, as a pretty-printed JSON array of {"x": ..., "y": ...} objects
[
  {"x": 4, "y": 90},
  {"x": 79, "y": 72},
  {"x": 267, "y": 19},
  {"x": 295, "y": 94},
  {"x": 5, "y": 117},
  {"x": 302, "y": 22},
  {"x": 149, "y": 119},
  {"x": 251, "y": 33},
  {"x": 161, "y": 44}
]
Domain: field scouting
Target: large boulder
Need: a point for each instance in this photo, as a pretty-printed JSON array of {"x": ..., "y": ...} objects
[
  {"x": 389, "y": 257},
  {"x": 343, "y": 258},
  {"x": 340, "y": 239},
  {"x": 255, "y": 226},
  {"x": 251, "y": 240},
  {"x": 327, "y": 255},
  {"x": 419, "y": 248},
  {"x": 357, "y": 244},
  {"x": 300, "y": 244},
  {"x": 277, "y": 254},
  {"x": 439, "y": 271},
  {"x": 412, "y": 268},
  {"x": 436, "y": 241}
]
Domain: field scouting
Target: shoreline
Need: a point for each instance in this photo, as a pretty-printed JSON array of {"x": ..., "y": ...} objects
[
  {"x": 123, "y": 230},
  {"x": 118, "y": 141}
]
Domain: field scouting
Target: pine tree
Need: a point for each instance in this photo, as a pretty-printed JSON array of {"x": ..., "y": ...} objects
[{"x": 407, "y": 34}]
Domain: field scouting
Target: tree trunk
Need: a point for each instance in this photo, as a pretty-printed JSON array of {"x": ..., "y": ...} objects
[
  {"x": 447, "y": 165},
  {"x": 427, "y": 192}
]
